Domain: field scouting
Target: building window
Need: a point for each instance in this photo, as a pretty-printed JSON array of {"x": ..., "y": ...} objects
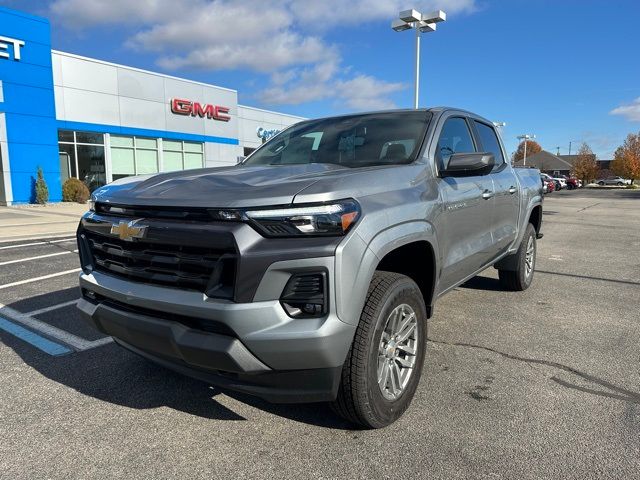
[
  {"x": 133, "y": 156},
  {"x": 83, "y": 153},
  {"x": 179, "y": 155}
]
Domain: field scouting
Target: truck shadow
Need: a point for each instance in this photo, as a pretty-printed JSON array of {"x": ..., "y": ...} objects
[
  {"x": 483, "y": 283},
  {"x": 115, "y": 375}
]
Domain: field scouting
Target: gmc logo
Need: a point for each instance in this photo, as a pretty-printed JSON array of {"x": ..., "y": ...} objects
[{"x": 195, "y": 109}]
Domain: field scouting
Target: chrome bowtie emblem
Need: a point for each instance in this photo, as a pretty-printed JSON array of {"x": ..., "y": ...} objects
[{"x": 128, "y": 230}]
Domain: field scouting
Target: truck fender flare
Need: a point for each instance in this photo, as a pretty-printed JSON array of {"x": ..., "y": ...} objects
[{"x": 381, "y": 244}]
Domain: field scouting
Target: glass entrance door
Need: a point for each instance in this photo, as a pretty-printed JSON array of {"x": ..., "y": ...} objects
[{"x": 84, "y": 155}]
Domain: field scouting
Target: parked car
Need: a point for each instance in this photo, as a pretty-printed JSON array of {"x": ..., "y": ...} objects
[
  {"x": 548, "y": 185},
  {"x": 551, "y": 187},
  {"x": 556, "y": 183},
  {"x": 560, "y": 183},
  {"x": 619, "y": 181},
  {"x": 308, "y": 271},
  {"x": 573, "y": 183}
]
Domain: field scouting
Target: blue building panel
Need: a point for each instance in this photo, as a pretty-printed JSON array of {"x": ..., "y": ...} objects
[
  {"x": 144, "y": 132},
  {"x": 27, "y": 75},
  {"x": 31, "y": 129},
  {"x": 24, "y": 99},
  {"x": 23, "y": 174},
  {"x": 21, "y": 25},
  {"x": 29, "y": 105}
]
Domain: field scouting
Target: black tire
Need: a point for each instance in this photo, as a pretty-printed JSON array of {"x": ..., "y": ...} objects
[
  {"x": 601, "y": 183},
  {"x": 520, "y": 279},
  {"x": 360, "y": 400},
  {"x": 619, "y": 184}
]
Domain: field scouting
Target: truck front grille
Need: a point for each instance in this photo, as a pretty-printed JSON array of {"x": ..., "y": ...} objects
[{"x": 207, "y": 270}]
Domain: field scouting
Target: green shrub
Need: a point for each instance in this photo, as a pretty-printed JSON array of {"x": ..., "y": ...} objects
[
  {"x": 74, "y": 190},
  {"x": 42, "y": 191}
]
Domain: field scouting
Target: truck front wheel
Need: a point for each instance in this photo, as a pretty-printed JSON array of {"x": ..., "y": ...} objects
[
  {"x": 525, "y": 262},
  {"x": 384, "y": 363}
]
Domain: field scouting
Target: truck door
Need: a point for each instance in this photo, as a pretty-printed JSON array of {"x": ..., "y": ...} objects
[
  {"x": 506, "y": 188},
  {"x": 466, "y": 239}
]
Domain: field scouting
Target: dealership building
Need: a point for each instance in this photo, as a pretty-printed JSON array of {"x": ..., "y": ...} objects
[{"x": 97, "y": 121}]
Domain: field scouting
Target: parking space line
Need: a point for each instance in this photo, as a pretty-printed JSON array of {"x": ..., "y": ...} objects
[
  {"x": 36, "y": 279},
  {"x": 39, "y": 243},
  {"x": 7, "y": 225},
  {"x": 20, "y": 260},
  {"x": 51, "y": 308},
  {"x": 33, "y": 338},
  {"x": 40, "y": 236},
  {"x": 77, "y": 343}
]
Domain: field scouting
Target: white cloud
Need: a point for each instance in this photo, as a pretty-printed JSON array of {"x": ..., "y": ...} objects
[
  {"x": 285, "y": 39},
  {"x": 367, "y": 93},
  {"x": 87, "y": 13},
  {"x": 363, "y": 92},
  {"x": 271, "y": 54},
  {"x": 631, "y": 111},
  {"x": 329, "y": 13}
]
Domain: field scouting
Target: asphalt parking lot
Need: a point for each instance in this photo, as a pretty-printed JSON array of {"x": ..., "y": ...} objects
[{"x": 538, "y": 384}]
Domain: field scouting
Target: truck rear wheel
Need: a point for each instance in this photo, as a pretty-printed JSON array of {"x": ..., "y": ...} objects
[
  {"x": 520, "y": 279},
  {"x": 383, "y": 366}
]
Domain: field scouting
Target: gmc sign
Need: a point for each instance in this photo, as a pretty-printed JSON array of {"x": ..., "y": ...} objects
[{"x": 187, "y": 107}]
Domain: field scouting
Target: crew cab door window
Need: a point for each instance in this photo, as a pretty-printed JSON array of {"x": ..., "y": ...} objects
[
  {"x": 454, "y": 138},
  {"x": 490, "y": 143},
  {"x": 467, "y": 221}
]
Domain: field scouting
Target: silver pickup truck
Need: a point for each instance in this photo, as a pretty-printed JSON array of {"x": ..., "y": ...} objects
[{"x": 308, "y": 271}]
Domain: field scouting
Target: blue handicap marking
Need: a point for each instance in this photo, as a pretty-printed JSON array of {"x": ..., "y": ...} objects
[{"x": 38, "y": 341}]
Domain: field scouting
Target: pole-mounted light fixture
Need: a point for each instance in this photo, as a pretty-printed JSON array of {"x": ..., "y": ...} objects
[
  {"x": 408, "y": 19},
  {"x": 525, "y": 137}
]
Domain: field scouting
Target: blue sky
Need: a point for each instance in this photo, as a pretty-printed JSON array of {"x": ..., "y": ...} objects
[{"x": 563, "y": 70}]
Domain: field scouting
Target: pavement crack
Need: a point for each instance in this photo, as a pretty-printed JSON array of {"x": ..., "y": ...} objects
[
  {"x": 617, "y": 393},
  {"x": 589, "y": 206}
]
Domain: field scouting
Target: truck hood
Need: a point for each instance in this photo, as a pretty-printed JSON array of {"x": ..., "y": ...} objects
[{"x": 232, "y": 187}]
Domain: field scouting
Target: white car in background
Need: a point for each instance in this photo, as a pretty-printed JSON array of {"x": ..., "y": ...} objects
[
  {"x": 561, "y": 183},
  {"x": 613, "y": 181}
]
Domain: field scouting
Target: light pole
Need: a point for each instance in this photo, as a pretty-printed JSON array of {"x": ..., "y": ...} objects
[
  {"x": 525, "y": 137},
  {"x": 409, "y": 19},
  {"x": 499, "y": 126}
]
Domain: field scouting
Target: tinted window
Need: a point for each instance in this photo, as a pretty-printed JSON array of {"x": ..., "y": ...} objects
[
  {"x": 65, "y": 136},
  {"x": 489, "y": 141},
  {"x": 89, "y": 137},
  {"x": 350, "y": 141},
  {"x": 455, "y": 138}
]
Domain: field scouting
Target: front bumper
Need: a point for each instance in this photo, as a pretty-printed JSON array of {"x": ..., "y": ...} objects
[{"x": 250, "y": 347}]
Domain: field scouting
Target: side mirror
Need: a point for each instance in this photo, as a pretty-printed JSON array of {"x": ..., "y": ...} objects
[
  {"x": 469, "y": 164},
  {"x": 240, "y": 159}
]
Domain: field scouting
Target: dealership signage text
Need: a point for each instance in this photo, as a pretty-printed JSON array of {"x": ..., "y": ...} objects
[
  {"x": 4, "y": 47},
  {"x": 266, "y": 134},
  {"x": 181, "y": 106}
]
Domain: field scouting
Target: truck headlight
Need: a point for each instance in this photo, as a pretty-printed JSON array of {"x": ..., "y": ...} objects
[{"x": 314, "y": 220}]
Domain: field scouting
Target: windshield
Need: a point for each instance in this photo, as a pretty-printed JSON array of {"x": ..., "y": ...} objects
[{"x": 351, "y": 141}]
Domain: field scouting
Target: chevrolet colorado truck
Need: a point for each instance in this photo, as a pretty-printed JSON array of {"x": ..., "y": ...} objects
[{"x": 308, "y": 271}]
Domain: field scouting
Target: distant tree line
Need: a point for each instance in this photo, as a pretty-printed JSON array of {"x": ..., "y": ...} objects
[{"x": 626, "y": 161}]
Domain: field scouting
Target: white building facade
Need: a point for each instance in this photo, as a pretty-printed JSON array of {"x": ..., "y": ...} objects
[{"x": 115, "y": 121}]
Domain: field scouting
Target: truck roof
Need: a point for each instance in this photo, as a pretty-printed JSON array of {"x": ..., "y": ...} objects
[{"x": 435, "y": 110}]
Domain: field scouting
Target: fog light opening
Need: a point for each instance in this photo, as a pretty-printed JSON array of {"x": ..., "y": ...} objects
[{"x": 306, "y": 295}]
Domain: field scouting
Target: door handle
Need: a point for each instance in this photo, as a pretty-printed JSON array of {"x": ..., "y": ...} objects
[
  {"x": 487, "y": 194},
  {"x": 512, "y": 190}
]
